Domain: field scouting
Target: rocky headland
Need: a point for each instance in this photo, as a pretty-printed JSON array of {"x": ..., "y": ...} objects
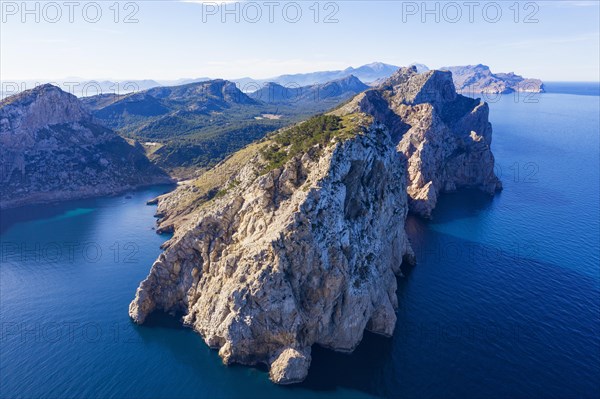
[{"x": 297, "y": 239}]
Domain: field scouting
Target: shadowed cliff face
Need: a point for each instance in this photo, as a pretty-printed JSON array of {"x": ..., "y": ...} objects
[
  {"x": 295, "y": 240},
  {"x": 445, "y": 137},
  {"x": 51, "y": 149}
]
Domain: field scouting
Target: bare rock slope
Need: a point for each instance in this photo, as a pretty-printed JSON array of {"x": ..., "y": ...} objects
[
  {"x": 51, "y": 149},
  {"x": 444, "y": 136},
  {"x": 296, "y": 240},
  {"x": 298, "y": 255}
]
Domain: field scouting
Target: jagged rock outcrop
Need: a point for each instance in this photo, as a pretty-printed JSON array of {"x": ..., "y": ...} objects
[
  {"x": 302, "y": 254},
  {"x": 445, "y": 137},
  {"x": 479, "y": 79},
  {"x": 51, "y": 149}
]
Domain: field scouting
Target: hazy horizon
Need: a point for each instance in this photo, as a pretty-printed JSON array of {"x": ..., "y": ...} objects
[
  {"x": 232, "y": 78},
  {"x": 549, "y": 40}
]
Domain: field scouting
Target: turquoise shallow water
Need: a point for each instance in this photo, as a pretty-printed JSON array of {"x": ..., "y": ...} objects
[{"x": 504, "y": 301}]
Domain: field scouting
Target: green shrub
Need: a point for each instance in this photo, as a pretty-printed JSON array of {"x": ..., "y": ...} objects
[{"x": 298, "y": 139}]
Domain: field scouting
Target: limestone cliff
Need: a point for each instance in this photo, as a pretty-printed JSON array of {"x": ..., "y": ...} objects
[
  {"x": 286, "y": 256},
  {"x": 295, "y": 240},
  {"x": 444, "y": 136},
  {"x": 51, "y": 149}
]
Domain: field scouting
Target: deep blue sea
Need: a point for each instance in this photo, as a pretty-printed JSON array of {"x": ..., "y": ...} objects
[
  {"x": 578, "y": 88},
  {"x": 504, "y": 301}
]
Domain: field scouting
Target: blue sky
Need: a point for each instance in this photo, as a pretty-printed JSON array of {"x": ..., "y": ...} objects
[{"x": 551, "y": 40}]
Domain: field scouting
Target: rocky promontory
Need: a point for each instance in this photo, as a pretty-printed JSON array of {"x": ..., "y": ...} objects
[
  {"x": 444, "y": 137},
  {"x": 298, "y": 247},
  {"x": 297, "y": 239},
  {"x": 51, "y": 149}
]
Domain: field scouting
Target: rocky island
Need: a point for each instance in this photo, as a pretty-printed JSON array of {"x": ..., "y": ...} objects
[
  {"x": 52, "y": 149},
  {"x": 297, "y": 239}
]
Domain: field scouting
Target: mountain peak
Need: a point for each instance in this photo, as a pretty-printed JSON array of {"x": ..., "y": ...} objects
[
  {"x": 410, "y": 87},
  {"x": 420, "y": 67},
  {"x": 41, "y": 106},
  {"x": 40, "y": 91},
  {"x": 377, "y": 65},
  {"x": 350, "y": 82},
  {"x": 272, "y": 85},
  {"x": 400, "y": 76},
  {"x": 220, "y": 89}
]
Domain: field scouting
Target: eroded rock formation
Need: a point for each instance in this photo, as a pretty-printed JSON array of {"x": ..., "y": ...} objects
[
  {"x": 444, "y": 136},
  {"x": 303, "y": 254},
  {"x": 283, "y": 245}
]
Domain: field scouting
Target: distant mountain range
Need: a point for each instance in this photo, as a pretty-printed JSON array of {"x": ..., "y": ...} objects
[
  {"x": 81, "y": 87},
  {"x": 197, "y": 124},
  {"x": 155, "y": 112},
  {"x": 86, "y": 87},
  {"x": 474, "y": 79},
  {"x": 314, "y": 97},
  {"x": 191, "y": 125},
  {"x": 469, "y": 79},
  {"x": 366, "y": 73}
]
